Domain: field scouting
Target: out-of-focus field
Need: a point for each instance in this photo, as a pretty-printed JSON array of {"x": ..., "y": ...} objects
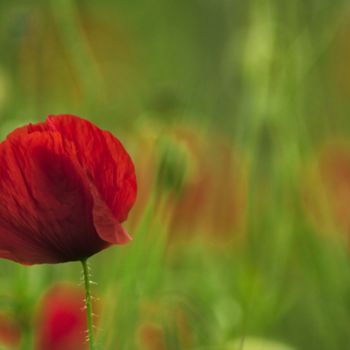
[{"x": 237, "y": 116}]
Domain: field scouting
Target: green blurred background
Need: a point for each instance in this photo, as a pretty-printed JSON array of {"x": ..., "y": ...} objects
[{"x": 237, "y": 115}]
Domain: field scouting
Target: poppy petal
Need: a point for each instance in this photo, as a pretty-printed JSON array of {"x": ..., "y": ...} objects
[
  {"x": 104, "y": 159},
  {"x": 108, "y": 228},
  {"x": 45, "y": 207}
]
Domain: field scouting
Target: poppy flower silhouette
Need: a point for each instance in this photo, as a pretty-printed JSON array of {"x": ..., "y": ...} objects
[{"x": 65, "y": 188}]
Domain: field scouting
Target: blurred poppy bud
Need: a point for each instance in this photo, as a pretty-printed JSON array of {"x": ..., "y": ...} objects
[{"x": 173, "y": 165}]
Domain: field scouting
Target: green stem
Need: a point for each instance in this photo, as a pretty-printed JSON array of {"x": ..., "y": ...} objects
[{"x": 88, "y": 304}]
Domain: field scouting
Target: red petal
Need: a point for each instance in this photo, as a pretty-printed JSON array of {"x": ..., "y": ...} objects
[
  {"x": 104, "y": 159},
  {"x": 45, "y": 205},
  {"x": 108, "y": 228},
  {"x": 27, "y": 129}
]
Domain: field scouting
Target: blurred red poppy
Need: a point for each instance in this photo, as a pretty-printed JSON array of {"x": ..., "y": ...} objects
[
  {"x": 162, "y": 324},
  {"x": 151, "y": 337},
  {"x": 10, "y": 332},
  {"x": 65, "y": 188},
  {"x": 61, "y": 320},
  {"x": 326, "y": 191}
]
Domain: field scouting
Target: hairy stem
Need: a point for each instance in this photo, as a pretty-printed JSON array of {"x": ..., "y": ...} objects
[{"x": 88, "y": 305}]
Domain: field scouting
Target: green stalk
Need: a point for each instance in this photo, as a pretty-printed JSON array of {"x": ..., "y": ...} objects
[{"x": 88, "y": 305}]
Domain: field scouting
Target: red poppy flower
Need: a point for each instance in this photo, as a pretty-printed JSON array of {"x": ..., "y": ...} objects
[
  {"x": 65, "y": 188},
  {"x": 61, "y": 320}
]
